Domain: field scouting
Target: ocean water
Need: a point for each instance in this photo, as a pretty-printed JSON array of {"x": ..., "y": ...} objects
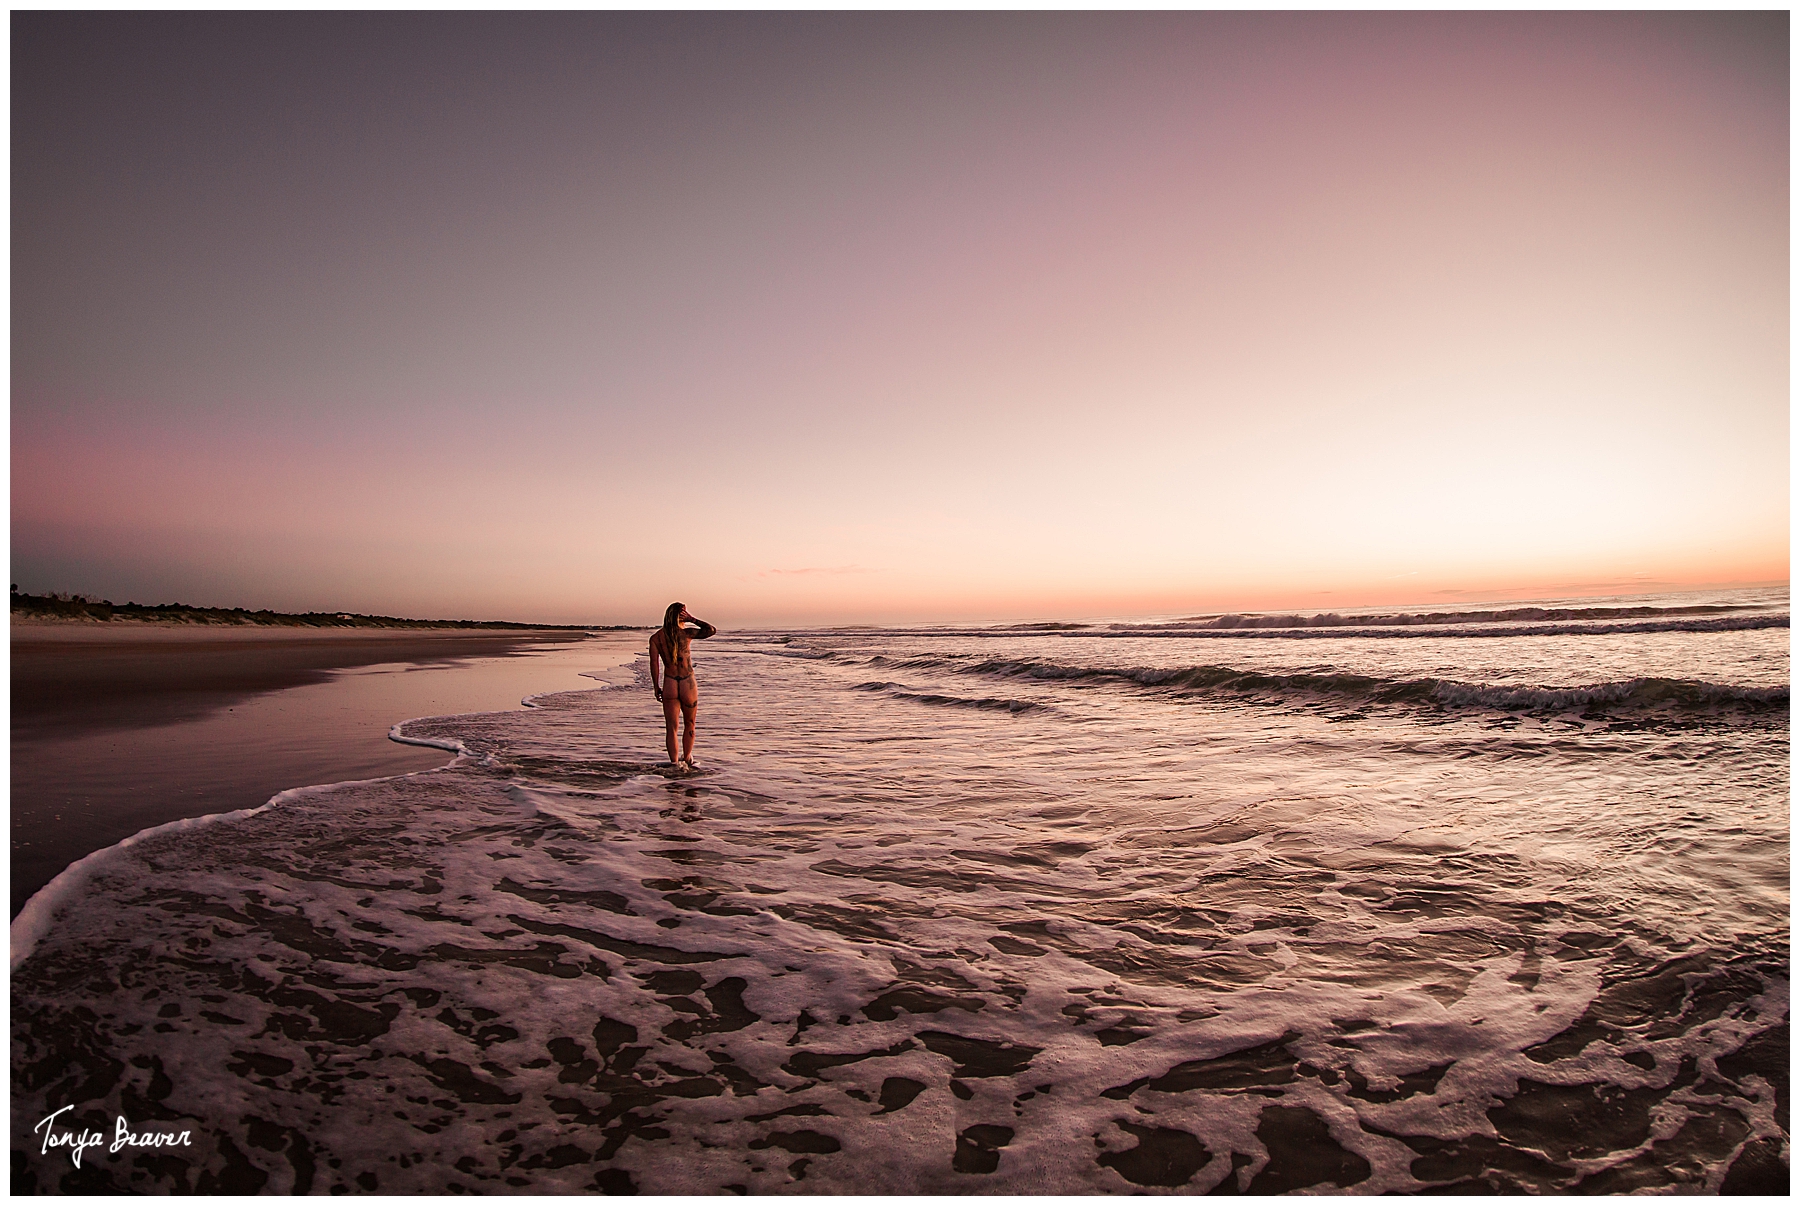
[{"x": 1486, "y": 900}]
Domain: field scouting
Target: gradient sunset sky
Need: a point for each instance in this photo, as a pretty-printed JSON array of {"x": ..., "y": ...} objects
[{"x": 896, "y": 317}]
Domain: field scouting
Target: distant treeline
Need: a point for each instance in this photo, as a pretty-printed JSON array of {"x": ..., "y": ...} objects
[{"x": 79, "y": 607}]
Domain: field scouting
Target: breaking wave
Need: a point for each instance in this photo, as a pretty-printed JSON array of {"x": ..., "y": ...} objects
[
  {"x": 1304, "y": 629},
  {"x": 1511, "y": 615},
  {"x": 1518, "y": 622},
  {"x": 1635, "y": 693}
]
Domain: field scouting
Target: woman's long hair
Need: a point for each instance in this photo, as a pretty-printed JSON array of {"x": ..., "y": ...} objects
[{"x": 672, "y": 626}]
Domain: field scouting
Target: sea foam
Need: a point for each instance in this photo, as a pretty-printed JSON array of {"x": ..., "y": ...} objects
[{"x": 901, "y": 936}]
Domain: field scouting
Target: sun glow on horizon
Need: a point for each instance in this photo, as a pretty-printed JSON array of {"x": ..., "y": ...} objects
[{"x": 897, "y": 316}]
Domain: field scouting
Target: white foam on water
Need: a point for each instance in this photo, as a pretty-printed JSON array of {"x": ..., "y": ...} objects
[
  {"x": 36, "y": 918},
  {"x": 40, "y": 912},
  {"x": 890, "y": 944}
]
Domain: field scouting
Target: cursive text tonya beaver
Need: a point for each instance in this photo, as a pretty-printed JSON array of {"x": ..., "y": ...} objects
[{"x": 123, "y": 1136}]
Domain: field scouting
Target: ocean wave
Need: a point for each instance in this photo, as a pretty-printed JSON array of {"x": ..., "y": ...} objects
[
  {"x": 1356, "y": 627},
  {"x": 986, "y": 703},
  {"x": 1510, "y": 615},
  {"x": 1635, "y": 693},
  {"x": 1597, "y": 621}
]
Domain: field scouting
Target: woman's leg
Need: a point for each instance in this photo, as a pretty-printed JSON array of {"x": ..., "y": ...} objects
[
  {"x": 670, "y": 703},
  {"x": 690, "y": 700}
]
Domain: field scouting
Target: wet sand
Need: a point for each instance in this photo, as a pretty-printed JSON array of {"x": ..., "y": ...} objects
[
  {"x": 70, "y": 678},
  {"x": 120, "y": 727}
]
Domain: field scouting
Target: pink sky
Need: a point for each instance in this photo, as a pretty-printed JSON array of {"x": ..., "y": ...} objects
[{"x": 887, "y": 318}]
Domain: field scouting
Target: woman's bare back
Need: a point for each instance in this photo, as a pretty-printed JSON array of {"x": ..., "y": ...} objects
[{"x": 674, "y": 683}]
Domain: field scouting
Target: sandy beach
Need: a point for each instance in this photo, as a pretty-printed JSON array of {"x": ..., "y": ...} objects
[
  {"x": 117, "y": 727},
  {"x": 79, "y": 677}
]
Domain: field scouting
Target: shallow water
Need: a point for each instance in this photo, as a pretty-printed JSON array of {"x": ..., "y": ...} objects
[
  {"x": 964, "y": 911},
  {"x": 74, "y": 792}
]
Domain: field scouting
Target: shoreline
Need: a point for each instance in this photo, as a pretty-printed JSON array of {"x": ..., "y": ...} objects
[
  {"x": 77, "y": 626},
  {"x": 120, "y": 734},
  {"x": 71, "y": 678}
]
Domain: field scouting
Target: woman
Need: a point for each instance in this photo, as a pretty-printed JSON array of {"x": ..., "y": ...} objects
[{"x": 674, "y": 684}]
